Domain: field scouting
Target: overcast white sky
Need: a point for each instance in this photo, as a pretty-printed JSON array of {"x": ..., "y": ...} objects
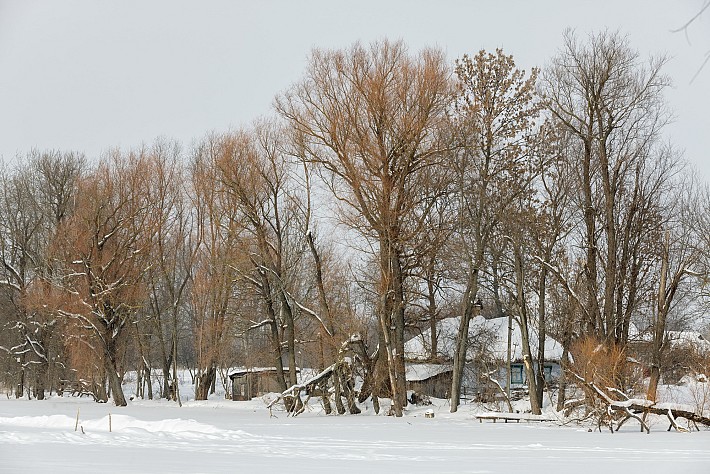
[{"x": 90, "y": 75}]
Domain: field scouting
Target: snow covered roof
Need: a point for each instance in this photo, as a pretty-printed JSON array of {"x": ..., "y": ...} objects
[
  {"x": 691, "y": 339},
  {"x": 492, "y": 334},
  {"x": 676, "y": 339},
  {"x": 419, "y": 372}
]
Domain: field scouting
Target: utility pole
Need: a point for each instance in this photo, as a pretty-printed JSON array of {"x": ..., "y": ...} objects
[{"x": 509, "y": 374}]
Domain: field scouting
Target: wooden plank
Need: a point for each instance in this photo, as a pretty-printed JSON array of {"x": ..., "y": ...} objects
[{"x": 517, "y": 417}]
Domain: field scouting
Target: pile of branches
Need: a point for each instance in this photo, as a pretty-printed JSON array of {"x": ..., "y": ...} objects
[{"x": 607, "y": 376}]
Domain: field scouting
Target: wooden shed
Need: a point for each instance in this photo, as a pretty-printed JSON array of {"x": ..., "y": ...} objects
[
  {"x": 248, "y": 383},
  {"x": 433, "y": 380}
]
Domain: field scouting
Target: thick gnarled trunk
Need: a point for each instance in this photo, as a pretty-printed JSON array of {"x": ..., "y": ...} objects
[{"x": 114, "y": 381}]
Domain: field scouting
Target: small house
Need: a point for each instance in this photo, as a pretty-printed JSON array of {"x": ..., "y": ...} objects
[{"x": 486, "y": 357}]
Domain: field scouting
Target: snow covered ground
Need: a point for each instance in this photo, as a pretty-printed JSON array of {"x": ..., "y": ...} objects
[
  {"x": 219, "y": 435},
  {"x": 222, "y": 436}
]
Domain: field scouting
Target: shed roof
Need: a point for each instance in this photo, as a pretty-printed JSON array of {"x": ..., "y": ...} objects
[
  {"x": 239, "y": 371},
  {"x": 419, "y": 372}
]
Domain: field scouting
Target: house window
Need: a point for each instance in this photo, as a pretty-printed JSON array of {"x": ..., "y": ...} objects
[
  {"x": 516, "y": 374},
  {"x": 548, "y": 372}
]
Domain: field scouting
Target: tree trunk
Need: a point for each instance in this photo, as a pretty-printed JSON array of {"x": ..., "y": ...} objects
[
  {"x": 204, "y": 382},
  {"x": 139, "y": 382},
  {"x": 509, "y": 351},
  {"x": 590, "y": 241},
  {"x": 562, "y": 392},
  {"x": 391, "y": 365},
  {"x": 274, "y": 327},
  {"x": 20, "y": 387},
  {"x": 532, "y": 385},
  {"x": 325, "y": 308},
  {"x": 114, "y": 382},
  {"x": 166, "y": 391},
  {"x": 290, "y": 336},
  {"x": 535, "y": 404},
  {"x": 659, "y": 329},
  {"x": 462, "y": 340},
  {"x": 148, "y": 381},
  {"x": 400, "y": 371},
  {"x": 431, "y": 309},
  {"x": 392, "y": 323},
  {"x": 654, "y": 379},
  {"x": 278, "y": 359},
  {"x": 175, "y": 387},
  {"x": 338, "y": 394},
  {"x": 541, "y": 333},
  {"x": 42, "y": 369},
  {"x": 325, "y": 397},
  {"x": 348, "y": 385}
]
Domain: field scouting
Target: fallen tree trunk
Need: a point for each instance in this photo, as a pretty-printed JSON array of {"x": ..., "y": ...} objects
[
  {"x": 341, "y": 374},
  {"x": 633, "y": 407},
  {"x": 308, "y": 385}
]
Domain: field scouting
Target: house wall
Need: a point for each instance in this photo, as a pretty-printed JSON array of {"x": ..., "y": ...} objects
[
  {"x": 266, "y": 383},
  {"x": 476, "y": 386},
  {"x": 519, "y": 378}
]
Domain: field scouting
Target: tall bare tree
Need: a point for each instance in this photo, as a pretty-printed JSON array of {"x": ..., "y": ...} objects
[
  {"x": 552, "y": 225},
  {"x": 36, "y": 198},
  {"x": 212, "y": 291},
  {"x": 370, "y": 118},
  {"x": 678, "y": 264},
  {"x": 105, "y": 248},
  {"x": 173, "y": 255},
  {"x": 611, "y": 103},
  {"x": 21, "y": 249},
  {"x": 494, "y": 120},
  {"x": 254, "y": 172}
]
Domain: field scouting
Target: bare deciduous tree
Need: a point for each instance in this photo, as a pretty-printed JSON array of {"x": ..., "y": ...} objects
[
  {"x": 173, "y": 256},
  {"x": 214, "y": 274},
  {"x": 602, "y": 94},
  {"x": 36, "y": 198},
  {"x": 494, "y": 120},
  {"x": 370, "y": 119},
  {"x": 678, "y": 263},
  {"x": 105, "y": 248}
]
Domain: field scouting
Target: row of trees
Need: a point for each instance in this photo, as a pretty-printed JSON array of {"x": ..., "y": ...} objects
[{"x": 391, "y": 191}]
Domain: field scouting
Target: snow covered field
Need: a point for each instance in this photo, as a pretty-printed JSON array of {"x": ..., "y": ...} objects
[{"x": 224, "y": 436}]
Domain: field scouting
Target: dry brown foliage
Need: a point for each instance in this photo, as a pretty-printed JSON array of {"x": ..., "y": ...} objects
[{"x": 605, "y": 365}]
